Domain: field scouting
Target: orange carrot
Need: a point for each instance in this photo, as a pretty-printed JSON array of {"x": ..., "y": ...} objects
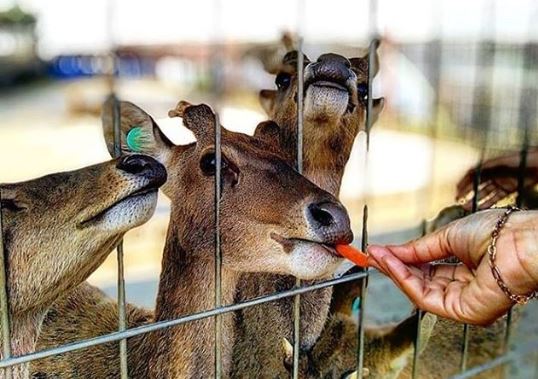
[{"x": 354, "y": 255}]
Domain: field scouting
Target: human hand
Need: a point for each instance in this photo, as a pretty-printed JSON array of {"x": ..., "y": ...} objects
[
  {"x": 467, "y": 291},
  {"x": 498, "y": 179}
]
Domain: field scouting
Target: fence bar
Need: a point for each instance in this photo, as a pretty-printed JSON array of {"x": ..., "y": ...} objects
[
  {"x": 297, "y": 299},
  {"x": 466, "y": 331},
  {"x": 522, "y": 350},
  {"x": 133, "y": 332},
  {"x": 370, "y": 101},
  {"x": 419, "y": 315},
  {"x": 122, "y": 323},
  {"x": 4, "y": 304},
  {"x": 218, "y": 251},
  {"x": 364, "y": 287}
]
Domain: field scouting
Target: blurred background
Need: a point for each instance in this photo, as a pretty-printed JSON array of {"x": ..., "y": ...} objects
[{"x": 459, "y": 78}]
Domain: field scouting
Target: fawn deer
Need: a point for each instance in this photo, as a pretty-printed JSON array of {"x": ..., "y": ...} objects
[
  {"x": 389, "y": 350},
  {"x": 272, "y": 220},
  {"x": 59, "y": 228},
  {"x": 334, "y": 112}
]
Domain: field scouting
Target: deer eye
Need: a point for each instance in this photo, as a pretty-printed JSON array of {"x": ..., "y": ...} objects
[
  {"x": 283, "y": 80},
  {"x": 208, "y": 164},
  {"x": 362, "y": 91}
]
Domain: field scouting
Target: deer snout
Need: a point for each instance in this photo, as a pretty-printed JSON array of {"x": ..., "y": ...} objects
[
  {"x": 331, "y": 67},
  {"x": 143, "y": 165},
  {"x": 330, "y": 223}
]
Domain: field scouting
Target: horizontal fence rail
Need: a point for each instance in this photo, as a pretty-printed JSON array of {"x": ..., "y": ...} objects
[
  {"x": 482, "y": 120},
  {"x": 133, "y": 332}
]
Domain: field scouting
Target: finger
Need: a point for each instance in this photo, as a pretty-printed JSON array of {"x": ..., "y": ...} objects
[
  {"x": 429, "y": 248},
  {"x": 491, "y": 199},
  {"x": 426, "y": 297},
  {"x": 465, "y": 185},
  {"x": 373, "y": 262},
  {"x": 508, "y": 185},
  {"x": 486, "y": 189}
]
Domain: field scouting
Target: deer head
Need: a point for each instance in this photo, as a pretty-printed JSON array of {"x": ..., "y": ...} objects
[
  {"x": 387, "y": 350},
  {"x": 336, "y": 89},
  {"x": 272, "y": 219},
  {"x": 334, "y": 109},
  {"x": 59, "y": 228}
]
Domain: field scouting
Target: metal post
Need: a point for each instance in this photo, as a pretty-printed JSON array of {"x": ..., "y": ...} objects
[
  {"x": 122, "y": 320},
  {"x": 218, "y": 252},
  {"x": 4, "y": 302},
  {"x": 364, "y": 240},
  {"x": 297, "y": 298},
  {"x": 419, "y": 316},
  {"x": 364, "y": 286}
]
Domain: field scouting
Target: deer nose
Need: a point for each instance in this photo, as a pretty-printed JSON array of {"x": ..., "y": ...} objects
[
  {"x": 331, "y": 67},
  {"x": 330, "y": 222},
  {"x": 334, "y": 59},
  {"x": 142, "y": 165}
]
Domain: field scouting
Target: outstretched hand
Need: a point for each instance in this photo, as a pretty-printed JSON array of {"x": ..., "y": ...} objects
[
  {"x": 466, "y": 291},
  {"x": 498, "y": 179}
]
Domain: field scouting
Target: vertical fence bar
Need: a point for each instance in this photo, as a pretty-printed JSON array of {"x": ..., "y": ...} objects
[
  {"x": 122, "y": 323},
  {"x": 466, "y": 330},
  {"x": 297, "y": 298},
  {"x": 4, "y": 303},
  {"x": 218, "y": 251},
  {"x": 419, "y": 315},
  {"x": 116, "y": 114},
  {"x": 484, "y": 92},
  {"x": 372, "y": 47},
  {"x": 218, "y": 87},
  {"x": 364, "y": 286}
]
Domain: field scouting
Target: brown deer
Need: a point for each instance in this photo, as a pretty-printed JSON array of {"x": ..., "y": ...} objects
[
  {"x": 59, "y": 228},
  {"x": 272, "y": 220},
  {"x": 387, "y": 349},
  {"x": 334, "y": 112}
]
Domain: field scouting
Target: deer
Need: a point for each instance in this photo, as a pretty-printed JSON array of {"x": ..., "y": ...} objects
[
  {"x": 258, "y": 350},
  {"x": 289, "y": 227},
  {"x": 59, "y": 228},
  {"x": 335, "y": 100}
]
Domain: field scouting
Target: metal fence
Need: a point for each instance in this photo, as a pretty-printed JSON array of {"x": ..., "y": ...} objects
[{"x": 478, "y": 131}]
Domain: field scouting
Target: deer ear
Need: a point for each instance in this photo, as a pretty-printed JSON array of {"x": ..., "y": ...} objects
[
  {"x": 401, "y": 341},
  {"x": 267, "y": 100},
  {"x": 11, "y": 199},
  {"x": 377, "y": 107},
  {"x": 199, "y": 119},
  {"x": 361, "y": 64},
  {"x": 353, "y": 375},
  {"x": 138, "y": 131},
  {"x": 288, "y": 352},
  {"x": 269, "y": 132}
]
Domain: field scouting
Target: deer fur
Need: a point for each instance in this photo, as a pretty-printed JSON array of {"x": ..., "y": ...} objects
[
  {"x": 263, "y": 228},
  {"x": 332, "y": 120},
  {"x": 59, "y": 228}
]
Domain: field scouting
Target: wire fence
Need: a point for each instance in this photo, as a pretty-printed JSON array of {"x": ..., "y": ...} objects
[{"x": 480, "y": 128}]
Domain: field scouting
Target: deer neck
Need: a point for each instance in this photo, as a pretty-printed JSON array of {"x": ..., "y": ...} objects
[
  {"x": 326, "y": 149},
  {"x": 24, "y": 331},
  {"x": 187, "y": 286}
]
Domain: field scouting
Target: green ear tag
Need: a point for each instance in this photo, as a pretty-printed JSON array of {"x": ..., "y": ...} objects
[
  {"x": 135, "y": 139},
  {"x": 355, "y": 308}
]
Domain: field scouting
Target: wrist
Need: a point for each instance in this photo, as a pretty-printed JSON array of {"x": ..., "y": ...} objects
[{"x": 517, "y": 257}]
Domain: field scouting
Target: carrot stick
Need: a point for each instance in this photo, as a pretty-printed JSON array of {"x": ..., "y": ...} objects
[{"x": 354, "y": 255}]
